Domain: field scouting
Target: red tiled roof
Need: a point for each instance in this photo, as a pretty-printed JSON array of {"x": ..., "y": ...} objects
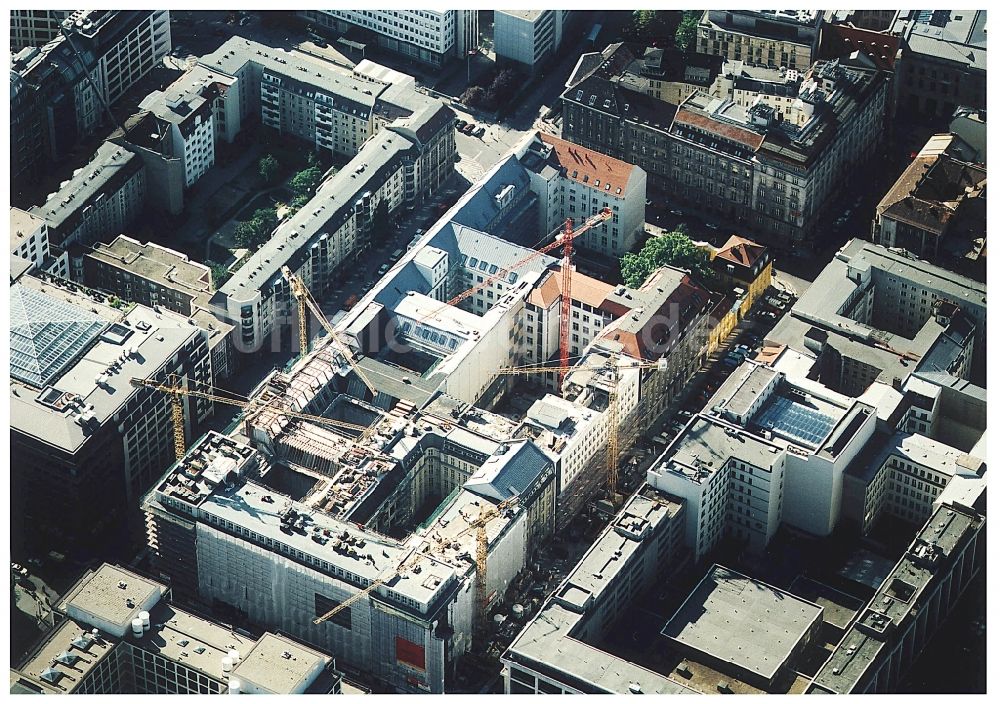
[
  {"x": 742, "y": 251},
  {"x": 590, "y": 167},
  {"x": 723, "y": 129},
  {"x": 839, "y": 40},
  {"x": 583, "y": 289}
]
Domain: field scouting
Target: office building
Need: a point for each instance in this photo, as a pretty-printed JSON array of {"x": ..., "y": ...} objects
[
  {"x": 186, "y": 125},
  {"x": 29, "y": 241},
  {"x": 937, "y": 207},
  {"x": 157, "y": 277},
  {"x": 296, "y": 555},
  {"x": 572, "y": 182},
  {"x": 558, "y": 651},
  {"x": 884, "y": 640},
  {"x": 744, "y": 628},
  {"x": 875, "y": 314},
  {"x": 114, "y": 48},
  {"x": 34, "y": 27},
  {"x": 944, "y": 61},
  {"x": 904, "y": 475},
  {"x": 528, "y": 38},
  {"x": 970, "y": 126},
  {"x": 430, "y": 37},
  {"x": 100, "y": 201},
  {"x": 776, "y": 164},
  {"x": 775, "y": 38},
  {"x": 86, "y": 443},
  {"x": 121, "y": 634}
]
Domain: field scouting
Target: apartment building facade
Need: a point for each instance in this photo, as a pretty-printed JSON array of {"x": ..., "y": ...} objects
[
  {"x": 430, "y": 37},
  {"x": 943, "y": 65},
  {"x": 34, "y": 27},
  {"x": 114, "y": 48},
  {"x": 86, "y": 442},
  {"x": 29, "y": 240},
  {"x": 574, "y": 183},
  {"x": 100, "y": 201},
  {"x": 776, "y": 38}
]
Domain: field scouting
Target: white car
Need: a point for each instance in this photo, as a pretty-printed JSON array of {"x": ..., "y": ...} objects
[
  {"x": 677, "y": 212},
  {"x": 711, "y": 226}
]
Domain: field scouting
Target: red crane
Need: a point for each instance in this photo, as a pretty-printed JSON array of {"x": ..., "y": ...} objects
[{"x": 566, "y": 239}]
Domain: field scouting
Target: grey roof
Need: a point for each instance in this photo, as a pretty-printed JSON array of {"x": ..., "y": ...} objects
[
  {"x": 48, "y": 416},
  {"x": 279, "y": 665},
  {"x": 327, "y": 211},
  {"x": 112, "y": 595},
  {"x": 549, "y": 643},
  {"x": 742, "y": 621},
  {"x": 902, "y": 596},
  {"x": 480, "y": 209},
  {"x": 512, "y": 470},
  {"x": 46, "y": 334},
  {"x": 706, "y": 444},
  {"x": 110, "y": 166},
  {"x": 357, "y": 94},
  {"x": 18, "y": 267}
]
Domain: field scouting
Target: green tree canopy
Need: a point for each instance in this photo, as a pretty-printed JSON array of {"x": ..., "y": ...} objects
[
  {"x": 304, "y": 182},
  {"x": 267, "y": 167},
  {"x": 674, "y": 248},
  {"x": 220, "y": 274},
  {"x": 687, "y": 31},
  {"x": 254, "y": 232}
]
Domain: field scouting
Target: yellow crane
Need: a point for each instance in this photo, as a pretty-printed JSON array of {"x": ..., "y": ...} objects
[
  {"x": 613, "y": 439},
  {"x": 306, "y": 301},
  {"x": 175, "y": 390},
  {"x": 482, "y": 548}
]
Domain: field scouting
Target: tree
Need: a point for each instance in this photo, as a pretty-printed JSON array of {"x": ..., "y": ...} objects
[
  {"x": 674, "y": 248},
  {"x": 304, "y": 182},
  {"x": 267, "y": 167},
  {"x": 473, "y": 96},
  {"x": 502, "y": 88},
  {"x": 220, "y": 274},
  {"x": 254, "y": 232},
  {"x": 687, "y": 31}
]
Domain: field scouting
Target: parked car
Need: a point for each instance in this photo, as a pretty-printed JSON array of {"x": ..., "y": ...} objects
[
  {"x": 678, "y": 213},
  {"x": 711, "y": 226},
  {"x": 383, "y": 269},
  {"x": 479, "y": 131},
  {"x": 460, "y": 123},
  {"x": 468, "y": 129},
  {"x": 396, "y": 255},
  {"x": 648, "y": 202}
]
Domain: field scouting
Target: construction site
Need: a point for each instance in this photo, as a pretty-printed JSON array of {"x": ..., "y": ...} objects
[{"x": 385, "y": 497}]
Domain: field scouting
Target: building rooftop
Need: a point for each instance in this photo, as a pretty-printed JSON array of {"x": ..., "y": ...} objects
[
  {"x": 588, "y": 167},
  {"x": 945, "y": 533},
  {"x": 705, "y": 445},
  {"x": 332, "y": 205},
  {"x": 155, "y": 263},
  {"x": 110, "y": 598},
  {"x": 548, "y": 643},
  {"x": 22, "y": 224},
  {"x": 84, "y": 387},
  {"x": 742, "y": 621},
  {"x": 278, "y": 665},
  {"x": 741, "y": 252},
  {"x": 529, "y": 15},
  {"x": 110, "y": 166}
]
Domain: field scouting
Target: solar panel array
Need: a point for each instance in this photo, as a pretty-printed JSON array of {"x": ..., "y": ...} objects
[
  {"x": 796, "y": 420},
  {"x": 46, "y": 334}
]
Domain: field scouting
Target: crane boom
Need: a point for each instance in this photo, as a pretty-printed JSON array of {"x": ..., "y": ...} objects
[
  {"x": 478, "y": 525},
  {"x": 602, "y": 215},
  {"x": 176, "y": 391},
  {"x": 306, "y": 300}
]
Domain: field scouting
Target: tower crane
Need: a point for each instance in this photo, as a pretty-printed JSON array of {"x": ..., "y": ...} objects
[
  {"x": 306, "y": 300},
  {"x": 613, "y": 438},
  {"x": 175, "y": 390},
  {"x": 565, "y": 240},
  {"x": 482, "y": 547}
]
